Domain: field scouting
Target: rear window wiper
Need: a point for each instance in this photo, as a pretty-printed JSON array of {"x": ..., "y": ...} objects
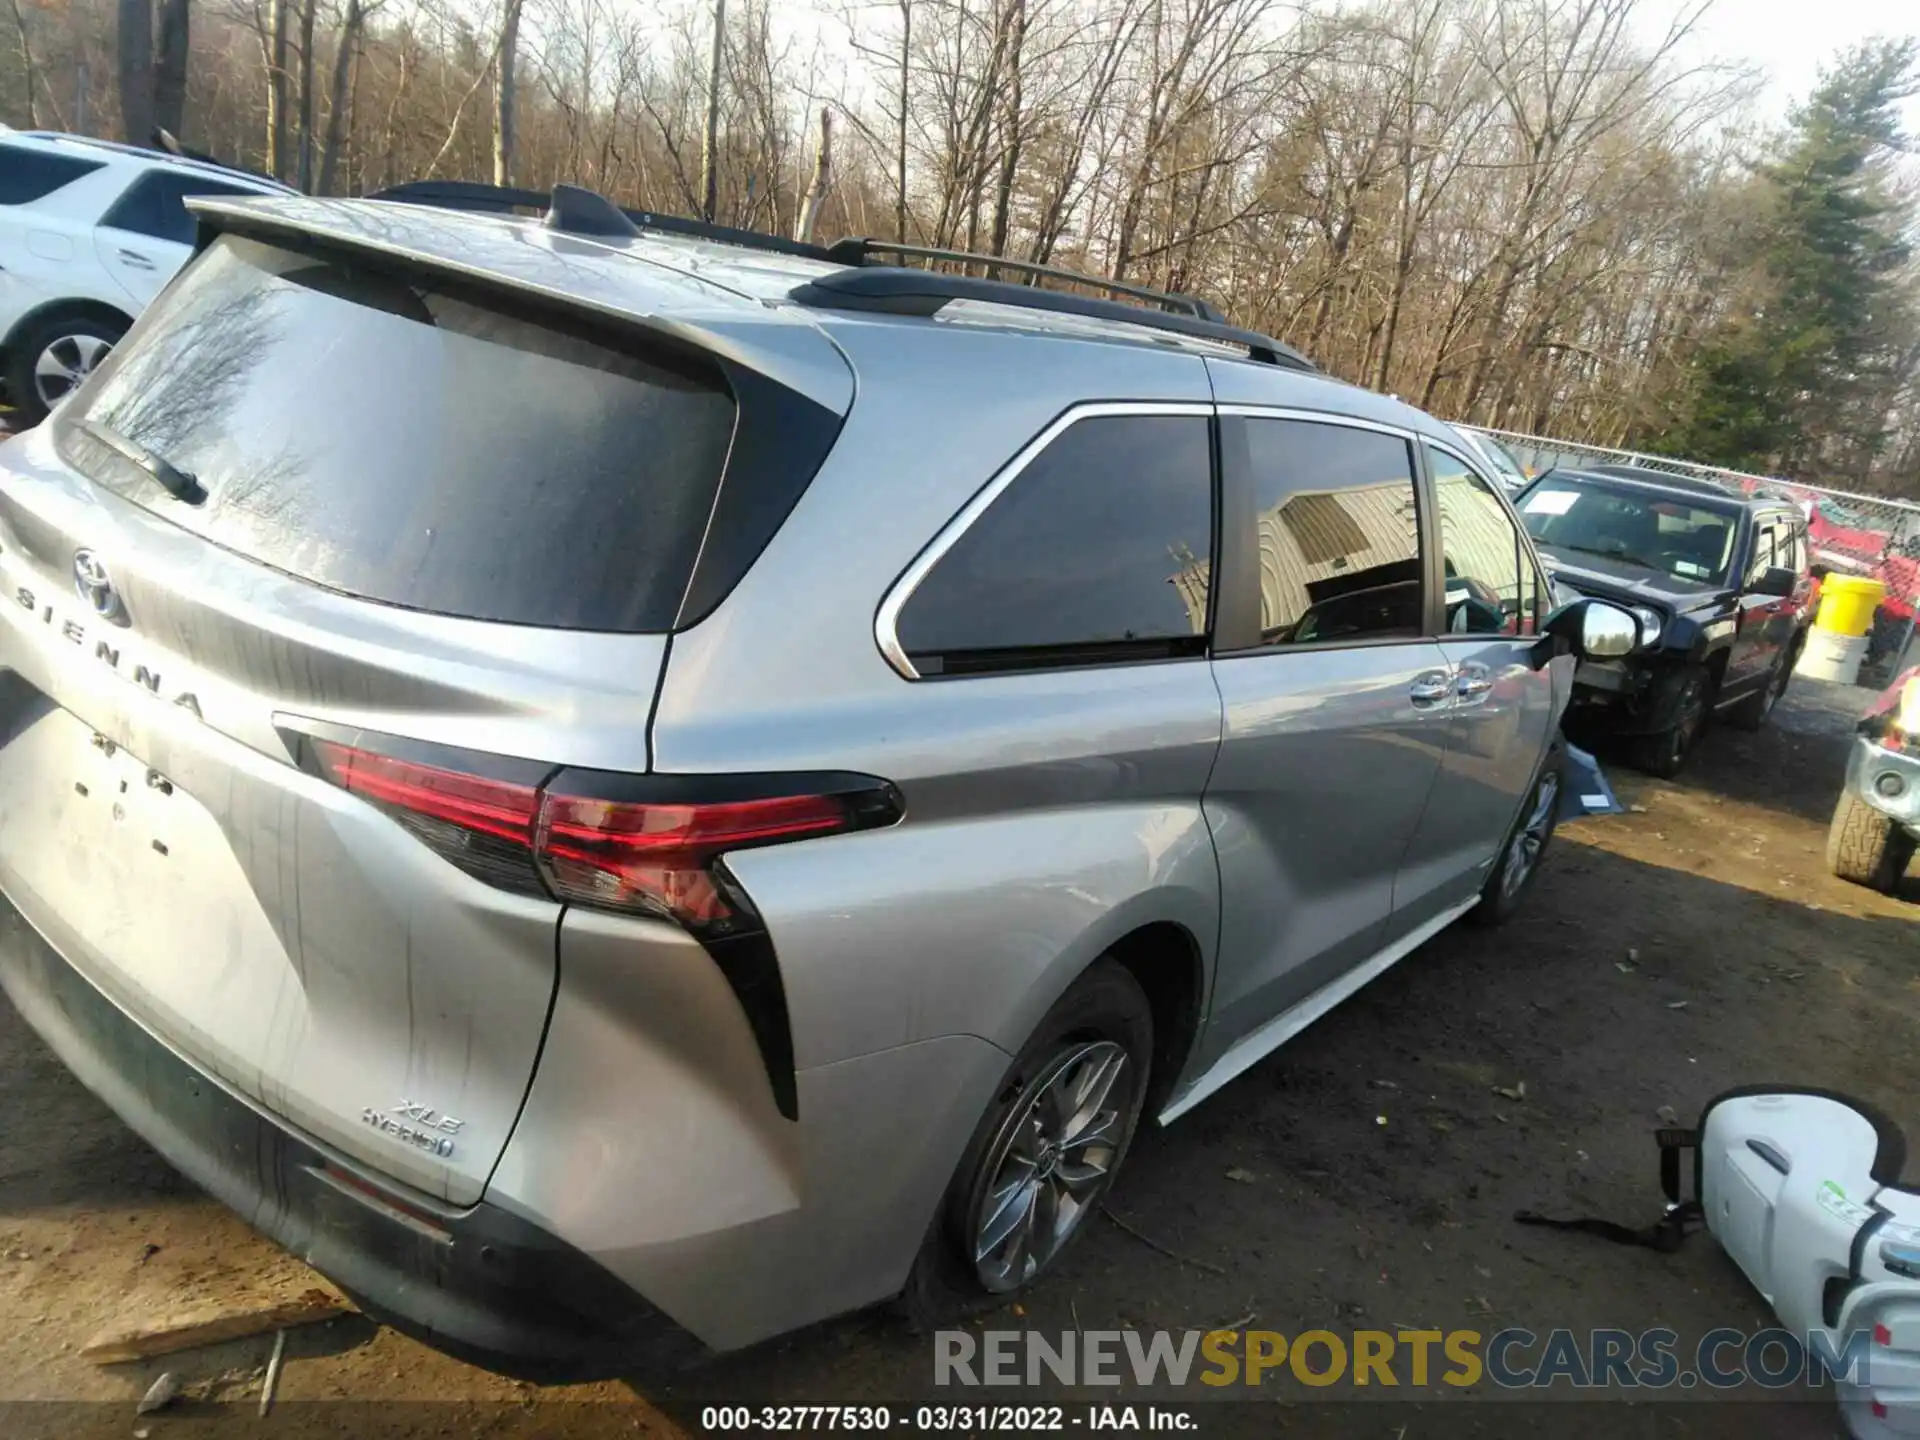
[{"x": 171, "y": 478}]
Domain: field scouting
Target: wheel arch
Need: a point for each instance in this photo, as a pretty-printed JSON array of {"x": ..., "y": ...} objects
[
  {"x": 78, "y": 307},
  {"x": 1160, "y": 938},
  {"x": 1164, "y": 957},
  {"x": 1716, "y": 663}
]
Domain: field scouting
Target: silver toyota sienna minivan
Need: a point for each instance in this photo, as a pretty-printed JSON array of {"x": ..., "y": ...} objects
[{"x": 618, "y": 789}]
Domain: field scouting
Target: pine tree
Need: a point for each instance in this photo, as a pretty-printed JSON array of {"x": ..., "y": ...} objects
[{"x": 1800, "y": 377}]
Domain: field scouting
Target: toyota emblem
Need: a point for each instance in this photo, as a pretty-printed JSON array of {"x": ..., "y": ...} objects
[{"x": 93, "y": 585}]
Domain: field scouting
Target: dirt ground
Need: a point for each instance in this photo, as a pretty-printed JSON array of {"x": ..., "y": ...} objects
[{"x": 1366, "y": 1176}]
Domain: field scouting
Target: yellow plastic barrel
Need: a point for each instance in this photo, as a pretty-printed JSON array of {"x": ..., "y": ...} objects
[{"x": 1847, "y": 603}]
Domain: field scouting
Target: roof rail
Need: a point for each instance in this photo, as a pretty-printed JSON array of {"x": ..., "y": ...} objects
[
  {"x": 856, "y": 251},
  {"x": 866, "y": 286},
  {"x": 901, "y": 291}
]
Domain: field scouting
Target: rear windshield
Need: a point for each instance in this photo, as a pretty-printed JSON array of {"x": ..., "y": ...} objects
[
  {"x": 1687, "y": 542},
  {"x": 379, "y": 435}
]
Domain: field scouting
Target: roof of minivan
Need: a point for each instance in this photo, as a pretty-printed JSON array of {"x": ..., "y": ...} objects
[{"x": 711, "y": 286}]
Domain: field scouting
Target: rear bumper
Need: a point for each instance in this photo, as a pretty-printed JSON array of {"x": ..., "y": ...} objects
[{"x": 478, "y": 1282}]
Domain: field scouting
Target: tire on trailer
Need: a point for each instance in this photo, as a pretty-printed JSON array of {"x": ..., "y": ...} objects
[{"x": 1866, "y": 847}]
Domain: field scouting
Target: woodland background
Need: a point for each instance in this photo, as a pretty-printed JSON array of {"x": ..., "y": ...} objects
[{"x": 1524, "y": 213}]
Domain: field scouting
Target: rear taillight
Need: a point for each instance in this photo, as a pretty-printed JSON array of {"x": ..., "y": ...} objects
[
  {"x": 616, "y": 842},
  {"x": 607, "y": 853}
]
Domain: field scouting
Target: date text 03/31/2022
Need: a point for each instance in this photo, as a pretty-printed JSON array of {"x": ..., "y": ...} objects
[{"x": 931, "y": 1419}]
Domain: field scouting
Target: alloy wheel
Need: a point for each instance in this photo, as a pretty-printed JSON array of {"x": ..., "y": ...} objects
[
  {"x": 65, "y": 363},
  {"x": 1524, "y": 853},
  {"x": 1049, "y": 1163}
]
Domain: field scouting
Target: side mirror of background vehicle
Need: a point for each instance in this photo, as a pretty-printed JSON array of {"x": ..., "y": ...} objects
[
  {"x": 1775, "y": 580},
  {"x": 1591, "y": 629}
]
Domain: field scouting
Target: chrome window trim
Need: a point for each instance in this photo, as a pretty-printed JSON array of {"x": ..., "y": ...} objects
[
  {"x": 886, "y": 619},
  {"x": 1320, "y": 417}
]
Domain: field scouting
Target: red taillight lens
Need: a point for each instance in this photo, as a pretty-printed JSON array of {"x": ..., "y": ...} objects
[
  {"x": 491, "y": 807},
  {"x": 653, "y": 856},
  {"x": 659, "y": 857}
]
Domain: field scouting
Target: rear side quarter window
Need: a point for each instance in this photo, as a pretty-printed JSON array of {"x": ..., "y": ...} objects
[
  {"x": 155, "y": 205},
  {"x": 1097, "y": 551},
  {"x": 27, "y": 175}
]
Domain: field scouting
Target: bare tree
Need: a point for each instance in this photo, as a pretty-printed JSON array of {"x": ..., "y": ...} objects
[
  {"x": 822, "y": 175},
  {"x": 170, "y": 67},
  {"x": 504, "y": 67},
  {"x": 303, "y": 124},
  {"x": 274, "y": 53},
  {"x": 133, "y": 43},
  {"x": 29, "y": 71},
  {"x": 345, "y": 55},
  {"x": 710, "y": 132}
]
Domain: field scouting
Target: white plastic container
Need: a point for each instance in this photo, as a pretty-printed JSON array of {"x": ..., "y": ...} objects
[{"x": 1832, "y": 657}]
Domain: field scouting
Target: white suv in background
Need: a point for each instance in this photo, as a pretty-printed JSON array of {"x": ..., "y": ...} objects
[{"x": 89, "y": 232}]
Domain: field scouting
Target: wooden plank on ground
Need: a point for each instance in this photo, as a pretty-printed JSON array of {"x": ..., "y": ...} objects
[{"x": 212, "y": 1323}]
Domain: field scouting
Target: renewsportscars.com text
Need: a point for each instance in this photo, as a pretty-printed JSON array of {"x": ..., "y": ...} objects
[{"x": 1513, "y": 1358}]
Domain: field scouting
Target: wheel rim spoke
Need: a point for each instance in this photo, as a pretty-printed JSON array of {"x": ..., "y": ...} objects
[
  {"x": 1049, "y": 1162},
  {"x": 66, "y": 363},
  {"x": 1099, "y": 1076},
  {"x": 1012, "y": 1209}
]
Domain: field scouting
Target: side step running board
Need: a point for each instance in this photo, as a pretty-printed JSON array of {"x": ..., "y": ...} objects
[{"x": 1251, "y": 1049}]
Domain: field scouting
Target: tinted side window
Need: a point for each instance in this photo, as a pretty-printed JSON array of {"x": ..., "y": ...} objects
[
  {"x": 1763, "y": 552},
  {"x": 1339, "y": 533},
  {"x": 1099, "y": 551},
  {"x": 1490, "y": 588},
  {"x": 154, "y": 204},
  {"x": 29, "y": 174}
]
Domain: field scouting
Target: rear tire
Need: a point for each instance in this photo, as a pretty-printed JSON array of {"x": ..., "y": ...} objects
[
  {"x": 1664, "y": 752},
  {"x": 1044, "y": 1155},
  {"x": 50, "y": 357},
  {"x": 1518, "y": 863},
  {"x": 1866, "y": 847}
]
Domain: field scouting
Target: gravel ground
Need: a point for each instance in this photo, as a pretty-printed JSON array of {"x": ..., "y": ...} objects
[{"x": 1363, "y": 1177}]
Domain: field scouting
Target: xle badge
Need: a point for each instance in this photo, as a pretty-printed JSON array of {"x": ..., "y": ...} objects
[{"x": 418, "y": 1125}]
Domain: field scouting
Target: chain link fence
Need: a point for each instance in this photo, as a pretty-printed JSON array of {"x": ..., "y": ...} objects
[{"x": 1853, "y": 534}]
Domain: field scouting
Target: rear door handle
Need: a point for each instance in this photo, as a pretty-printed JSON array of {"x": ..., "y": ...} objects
[
  {"x": 1433, "y": 687},
  {"x": 1475, "y": 680},
  {"x": 136, "y": 260}
]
